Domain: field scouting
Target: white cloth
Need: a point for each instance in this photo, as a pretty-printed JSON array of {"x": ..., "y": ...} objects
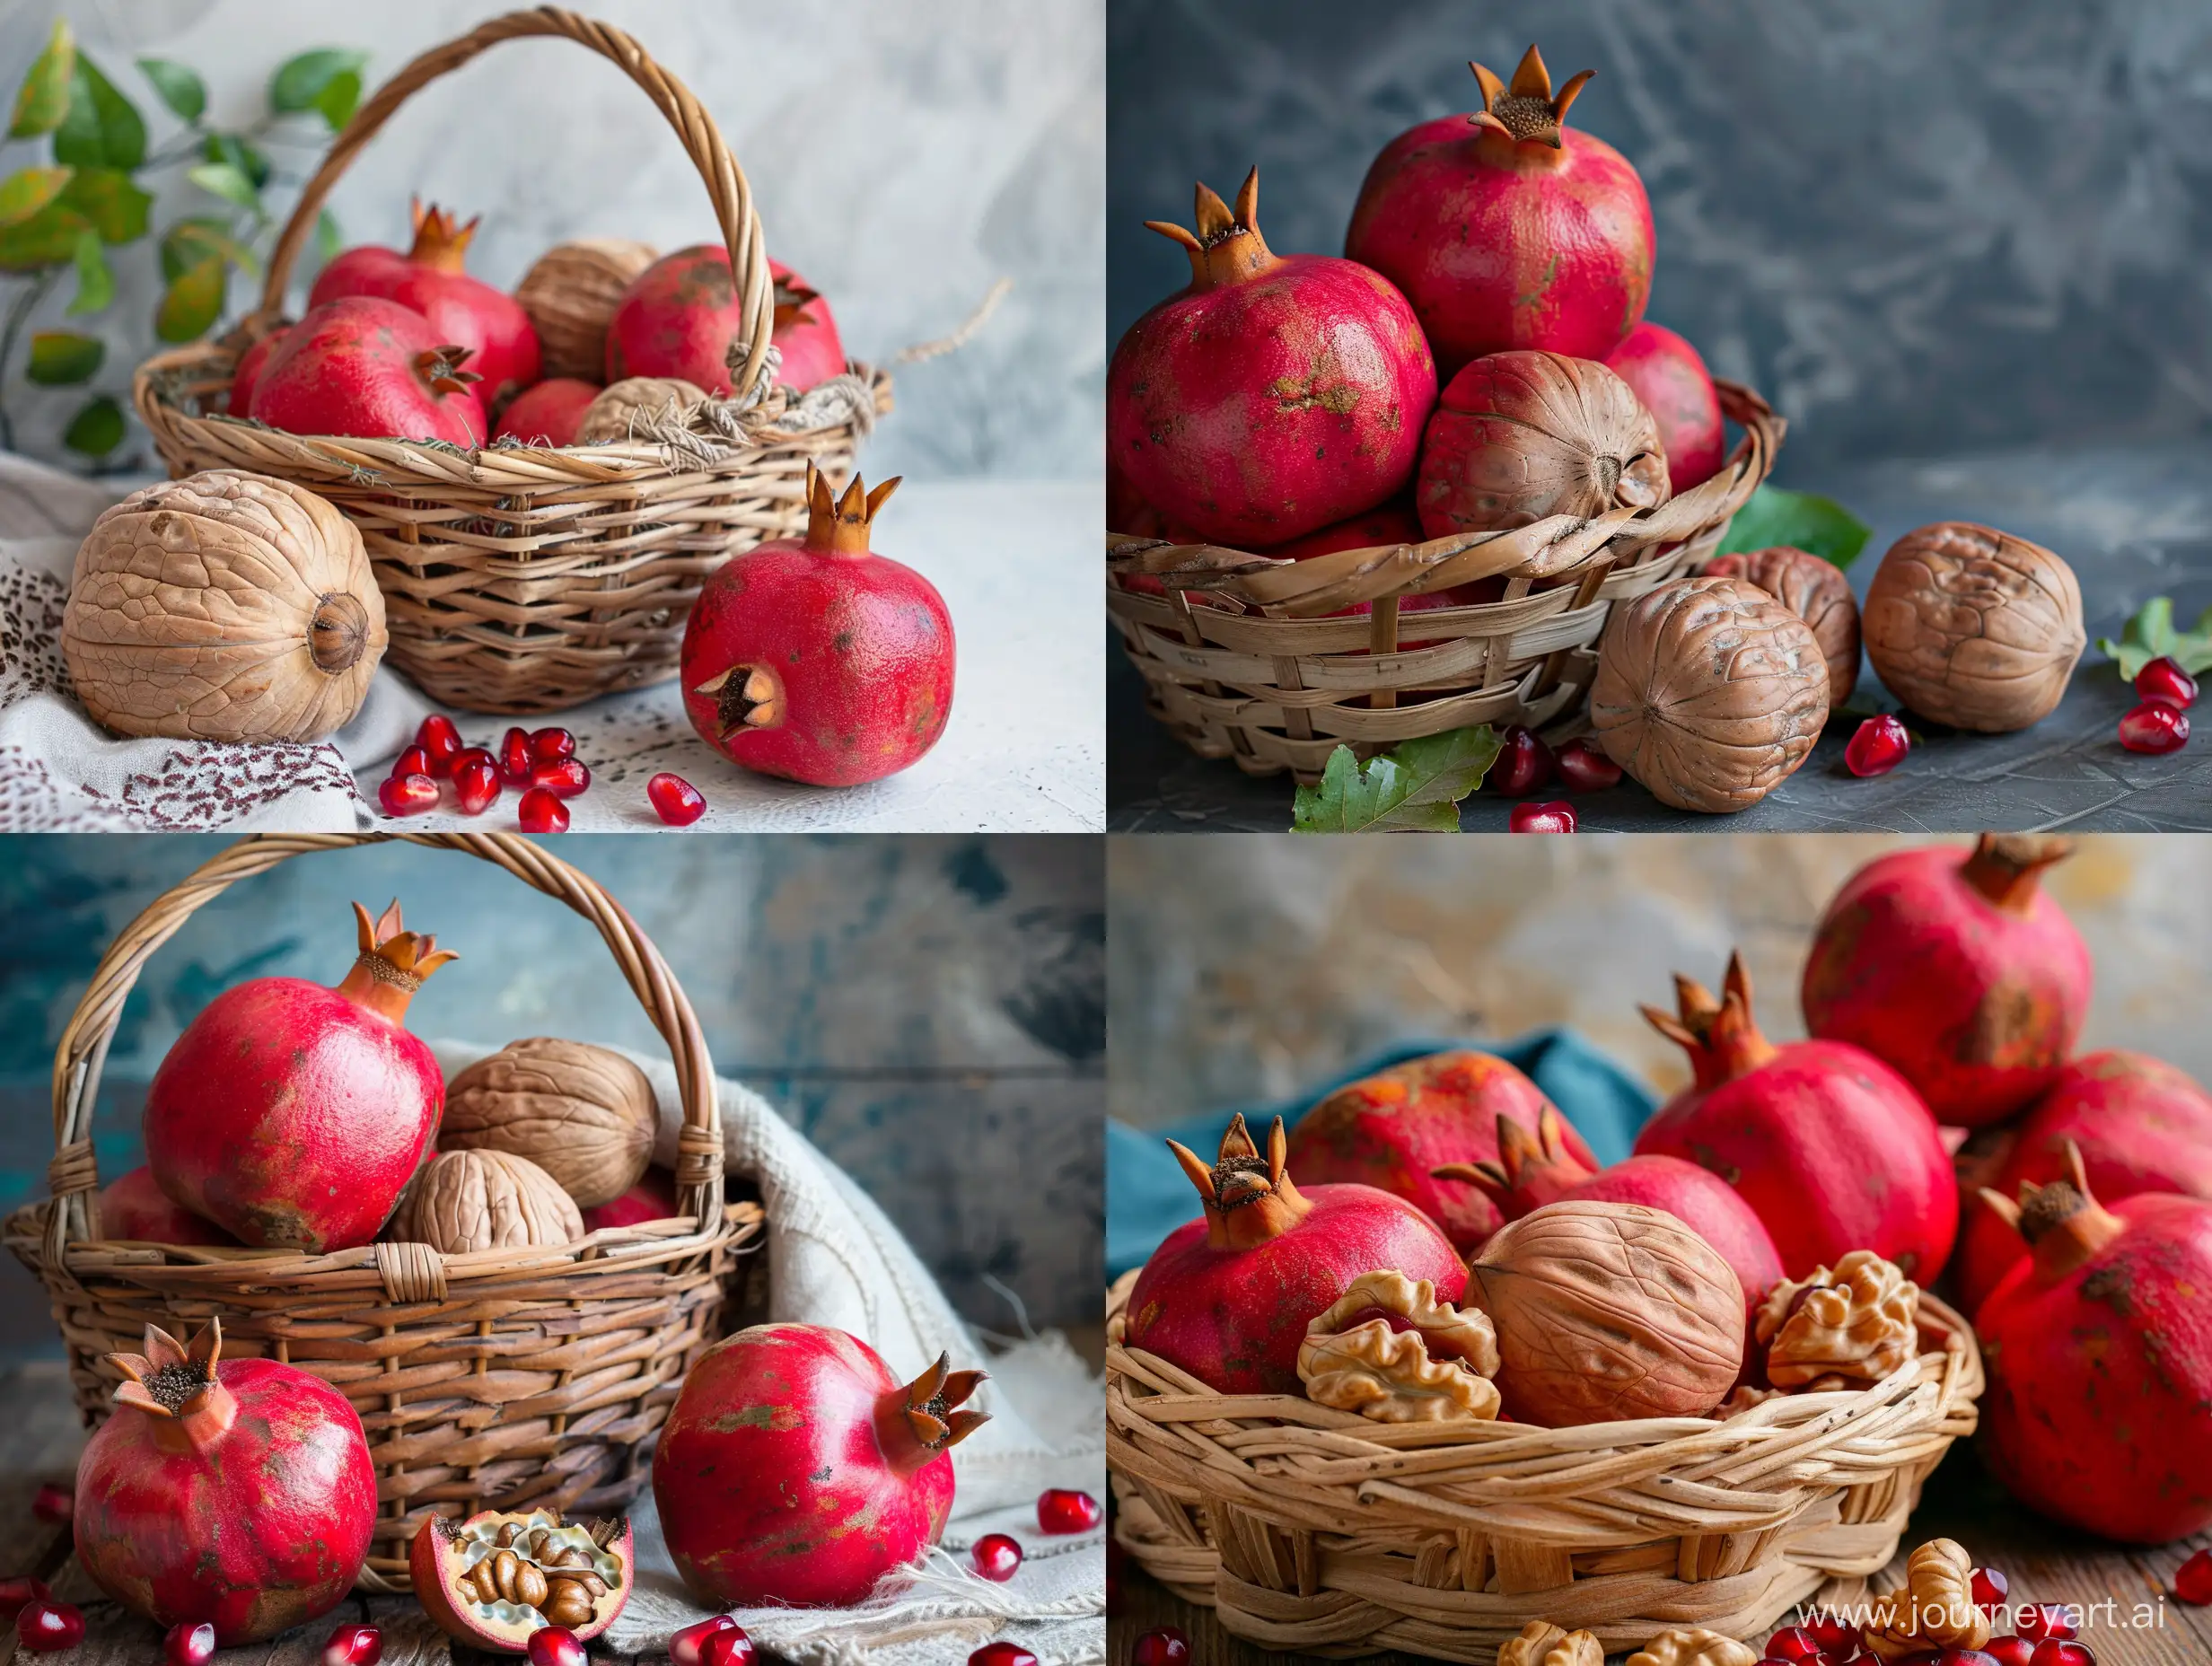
[
  {"x": 835, "y": 1258},
  {"x": 1024, "y": 750}
]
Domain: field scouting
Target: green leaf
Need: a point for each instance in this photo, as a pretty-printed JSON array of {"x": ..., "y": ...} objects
[
  {"x": 221, "y": 180},
  {"x": 328, "y": 239},
  {"x": 23, "y": 194},
  {"x": 96, "y": 282},
  {"x": 182, "y": 89},
  {"x": 49, "y": 238},
  {"x": 339, "y": 101},
  {"x": 240, "y": 154},
  {"x": 1415, "y": 788},
  {"x": 59, "y": 358},
  {"x": 115, "y": 207},
  {"x": 1819, "y": 525},
  {"x": 300, "y": 83},
  {"x": 97, "y": 429},
  {"x": 188, "y": 242},
  {"x": 43, "y": 99},
  {"x": 2150, "y": 634},
  {"x": 192, "y": 301},
  {"x": 102, "y": 128}
]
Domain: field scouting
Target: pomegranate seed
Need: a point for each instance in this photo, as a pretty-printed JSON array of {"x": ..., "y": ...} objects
[
  {"x": 476, "y": 784},
  {"x": 1524, "y": 763},
  {"x": 675, "y": 800},
  {"x": 997, "y": 1557},
  {"x": 2060, "y": 1651},
  {"x": 1165, "y": 1647},
  {"x": 730, "y": 1646},
  {"x": 2155, "y": 727},
  {"x": 2192, "y": 1581},
  {"x": 441, "y": 739},
  {"x": 53, "y": 1502},
  {"x": 2047, "y": 1619},
  {"x": 1990, "y": 1588},
  {"x": 2010, "y": 1651},
  {"x": 44, "y": 1626},
  {"x": 1557, "y": 817},
  {"x": 2163, "y": 679},
  {"x": 412, "y": 761},
  {"x": 684, "y": 1648},
  {"x": 189, "y": 1643},
  {"x": 354, "y": 1645},
  {"x": 1063, "y": 1510},
  {"x": 1585, "y": 769},
  {"x": 566, "y": 778},
  {"x": 556, "y": 1645},
  {"x": 15, "y": 1592},
  {"x": 1839, "y": 1638},
  {"x": 550, "y": 746},
  {"x": 515, "y": 757},
  {"x": 407, "y": 795},
  {"x": 1955, "y": 1656},
  {"x": 1877, "y": 746},
  {"x": 474, "y": 755},
  {"x": 541, "y": 812},
  {"x": 1795, "y": 1643},
  {"x": 1002, "y": 1653}
]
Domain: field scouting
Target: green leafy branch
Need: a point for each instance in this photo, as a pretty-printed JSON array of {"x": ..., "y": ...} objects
[
  {"x": 60, "y": 220},
  {"x": 1414, "y": 788},
  {"x": 2152, "y": 634}
]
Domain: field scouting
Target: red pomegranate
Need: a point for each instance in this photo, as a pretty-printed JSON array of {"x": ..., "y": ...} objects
[
  {"x": 816, "y": 658},
  {"x": 1227, "y": 1297},
  {"x": 369, "y": 368},
  {"x": 249, "y": 371},
  {"x": 2140, "y": 1125},
  {"x": 1273, "y": 396},
  {"x": 1532, "y": 1170},
  {"x": 1394, "y": 1129},
  {"x": 1507, "y": 229},
  {"x": 134, "y": 1207},
  {"x": 1957, "y": 970},
  {"x": 235, "y": 1492},
  {"x": 1669, "y": 375},
  {"x": 1830, "y": 1148},
  {"x": 431, "y": 279},
  {"x": 679, "y": 315},
  {"x": 2098, "y": 1410},
  {"x": 548, "y": 414},
  {"x": 795, "y": 1470},
  {"x": 292, "y": 1115},
  {"x": 653, "y": 1198}
]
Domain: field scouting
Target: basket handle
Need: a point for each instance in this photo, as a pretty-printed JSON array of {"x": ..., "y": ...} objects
[
  {"x": 702, "y": 142},
  {"x": 83, "y": 1048}
]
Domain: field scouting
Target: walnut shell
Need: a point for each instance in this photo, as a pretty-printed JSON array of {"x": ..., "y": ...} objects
[
  {"x": 1694, "y": 1646},
  {"x": 467, "y": 1200},
  {"x": 1710, "y": 692},
  {"x": 584, "y": 1114},
  {"x": 226, "y": 606},
  {"x": 1934, "y": 1610},
  {"x": 1974, "y": 627},
  {"x": 1543, "y": 1643},
  {"x": 610, "y": 416},
  {"x": 1849, "y": 1327},
  {"x": 570, "y": 295},
  {"x": 1817, "y": 592},
  {"x": 1437, "y": 1370}
]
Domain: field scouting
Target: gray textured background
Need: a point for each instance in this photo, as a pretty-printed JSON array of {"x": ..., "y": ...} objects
[
  {"x": 1919, "y": 226},
  {"x": 903, "y": 157},
  {"x": 929, "y": 1010}
]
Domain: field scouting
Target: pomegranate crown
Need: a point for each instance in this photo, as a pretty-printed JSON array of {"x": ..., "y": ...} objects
[
  {"x": 395, "y": 955},
  {"x": 1521, "y": 1156},
  {"x": 169, "y": 1377},
  {"x": 934, "y": 1404},
  {"x": 792, "y": 299},
  {"x": 2061, "y": 1220},
  {"x": 1227, "y": 246},
  {"x": 1249, "y": 1199},
  {"x": 1527, "y": 110},
  {"x": 440, "y": 241},
  {"x": 2004, "y": 867},
  {"x": 1720, "y": 1036},
  {"x": 841, "y": 526}
]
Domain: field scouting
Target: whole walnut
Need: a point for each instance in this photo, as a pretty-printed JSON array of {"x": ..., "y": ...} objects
[
  {"x": 1817, "y": 592},
  {"x": 584, "y": 1114},
  {"x": 1974, "y": 627},
  {"x": 1606, "y": 1311},
  {"x": 1710, "y": 692},
  {"x": 465, "y": 1200},
  {"x": 612, "y": 416},
  {"x": 570, "y": 293},
  {"x": 226, "y": 606}
]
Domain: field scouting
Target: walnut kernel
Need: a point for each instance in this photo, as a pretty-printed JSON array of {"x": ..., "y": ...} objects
[
  {"x": 1694, "y": 1646},
  {"x": 1543, "y": 1643},
  {"x": 1436, "y": 1369},
  {"x": 1934, "y": 1610},
  {"x": 1855, "y": 1324}
]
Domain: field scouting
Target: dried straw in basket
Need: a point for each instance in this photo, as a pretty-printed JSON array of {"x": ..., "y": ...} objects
[
  {"x": 501, "y": 1378},
  {"x": 1239, "y": 658},
  {"x": 1320, "y": 1532},
  {"x": 518, "y": 579}
]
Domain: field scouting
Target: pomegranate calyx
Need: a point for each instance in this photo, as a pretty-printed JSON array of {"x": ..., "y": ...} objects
[
  {"x": 1531, "y": 1169},
  {"x": 2004, "y": 866},
  {"x": 746, "y": 697},
  {"x": 392, "y": 964},
  {"x": 1721, "y": 1036},
  {"x": 177, "y": 1388},
  {"x": 841, "y": 526},
  {"x": 441, "y": 367},
  {"x": 1227, "y": 248},
  {"x": 440, "y": 241},
  {"x": 934, "y": 1407},
  {"x": 1527, "y": 110},
  {"x": 2063, "y": 1223},
  {"x": 1249, "y": 1199},
  {"x": 792, "y": 299}
]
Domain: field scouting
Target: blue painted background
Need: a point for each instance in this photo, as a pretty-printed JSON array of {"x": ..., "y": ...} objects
[{"x": 930, "y": 1011}]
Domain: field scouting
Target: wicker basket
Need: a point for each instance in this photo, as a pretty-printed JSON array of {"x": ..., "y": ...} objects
[
  {"x": 1267, "y": 680},
  {"x": 1319, "y": 1532},
  {"x": 501, "y": 1378},
  {"x": 521, "y": 579}
]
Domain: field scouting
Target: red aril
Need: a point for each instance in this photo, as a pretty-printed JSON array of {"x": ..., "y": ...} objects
[
  {"x": 476, "y": 786},
  {"x": 1555, "y": 817},
  {"x": 996, "y": 1557},
  {"x": 45, "y": 1627},
  {"x": 1063, "y": 1510},
  {"x": 475, "y": 755},
  {"x": 412, "y": 761},
  {"x": 1584, "y": 768},
  {"x": 541, "y": 812},
  {"x": 730, "y": 1647},
  {"x": 1793, "y": 1643},
  {"x": 547, "y": 415},
  {"x": 17, "y": 1592},
  {"x": 2192, "y": 1581},
  {"x": 53, "y": 1502},
  {"x": 2163, "y": 679},
  {"x": 2062, "y": 1651},
  {"x": 1965, "y": 1657},
  {"x": 1002, "y": 1653},
  {"x": 440, "y": 741},
  {"x": 1167, "y": 1647},
  {"x": 684, "y": 1648},
  {"x": 1524, "y": 763},
  {"x": 515, "y": 758},
  {"x": 354, "y": 1645},
  {"x": 1669, "y": 375},
  {"x": 373, "y": 369},
  {"x": 2011, "y": 1650},
  {"x": 2048, "y": 1620},
  {"x": 1990, "y": 1588},
  {"x": 407, "y": 795},
  {"x": 188, "y": 1642},
  {"x": 1876, "y": 745},
  {"x": 2155, "y": 727},
  {"x": 1839, "y": 1638},
  {"x": 568, "y": 778},
  {"x": 556, "y": 1645},
  {"x": 550, "y": 746},
  {"x": 675, "y": 800}
]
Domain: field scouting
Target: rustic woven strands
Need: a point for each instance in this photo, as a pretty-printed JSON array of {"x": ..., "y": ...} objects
[
  {"x": 1319, "y": 1532},
  {"x": 523, "y": 580},
  {"x": 503, "y": 1379},
  {"x": 1268, "y": 680}
]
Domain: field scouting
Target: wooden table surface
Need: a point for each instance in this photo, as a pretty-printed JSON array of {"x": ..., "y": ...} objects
[{"x": 2045, "y": 1563}]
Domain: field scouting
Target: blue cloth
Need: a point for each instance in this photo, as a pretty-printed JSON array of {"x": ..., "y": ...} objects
[{"x": 1148, "y": 1196}]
